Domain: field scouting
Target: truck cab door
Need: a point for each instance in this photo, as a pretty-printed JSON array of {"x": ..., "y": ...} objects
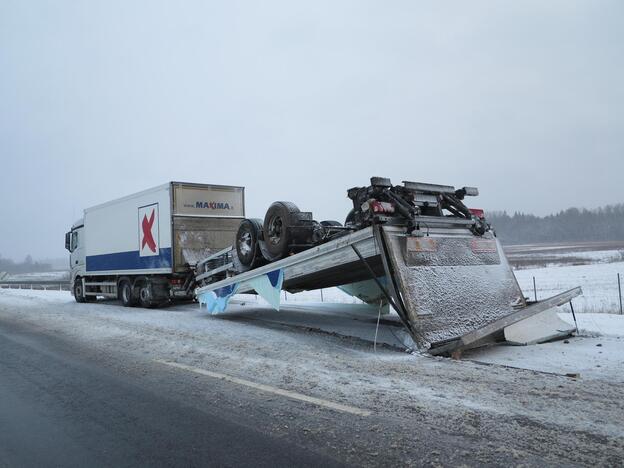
[{"x": 77, "y": 251}]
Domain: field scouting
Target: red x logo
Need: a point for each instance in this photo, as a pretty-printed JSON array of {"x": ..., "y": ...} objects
[{"x": 148, "y": 239}]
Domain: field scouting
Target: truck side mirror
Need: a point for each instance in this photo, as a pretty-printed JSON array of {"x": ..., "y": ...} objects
[{"x": 68, "y": 241}]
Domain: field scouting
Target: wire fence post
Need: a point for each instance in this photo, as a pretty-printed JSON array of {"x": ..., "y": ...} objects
[
  {"x": 574, "y": 317},
  {"x": 322, "y": 296},
  {"x": 534, "y": 289},
  {"x": 620, "y": 292}
]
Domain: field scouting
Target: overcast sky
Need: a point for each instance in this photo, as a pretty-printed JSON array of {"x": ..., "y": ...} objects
[{"x": 302, "y": 100}]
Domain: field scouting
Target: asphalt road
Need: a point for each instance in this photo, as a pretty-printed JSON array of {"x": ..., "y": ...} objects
[
  {"x": 103, "y": 385},
  {"x": 60, "y": 407}
]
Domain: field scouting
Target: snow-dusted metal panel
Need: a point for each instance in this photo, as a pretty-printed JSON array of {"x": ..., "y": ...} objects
[{"x": 451, "y": 282}]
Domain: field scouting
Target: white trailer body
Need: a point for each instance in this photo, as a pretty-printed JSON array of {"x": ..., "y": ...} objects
[
  {"x": 148, "y": 243},
  {"x": 130, "y": 235}
]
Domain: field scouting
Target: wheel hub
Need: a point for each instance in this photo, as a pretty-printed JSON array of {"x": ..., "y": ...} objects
[
  {"x": 244, "y": 243},
  {"x": 275, "y": 230}
]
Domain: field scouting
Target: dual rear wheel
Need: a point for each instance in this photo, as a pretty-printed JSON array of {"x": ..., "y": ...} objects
[
  {"x": 284, "y": 228},
  {"x": 140, "y": 294},
  {"x": 275, "y": 232}
]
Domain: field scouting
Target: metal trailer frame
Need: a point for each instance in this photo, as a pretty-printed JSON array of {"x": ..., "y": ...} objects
[{"x": 368, "y": 254}]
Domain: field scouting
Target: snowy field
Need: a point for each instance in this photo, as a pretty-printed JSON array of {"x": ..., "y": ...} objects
[
  {"x": 599, "y": 283},
  {"x": 61, "y": 275},
  {"x": 544, "y": 255}
]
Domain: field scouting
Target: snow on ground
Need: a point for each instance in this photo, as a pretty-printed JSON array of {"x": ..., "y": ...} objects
[
  {"x": 62, "y": 275},
  {"x": 581, "y": 354},
  {"x": 598, "y": 280},
  {"x": 595, "y": 256},
  {"x": 595, "y": 358},
  {"x": 596, "y": 353},
  {"x": 330, "y": 295},
  {"x": 596, "y": 324},
  {"x": 560, "y": 258},
  {"x": 566, "y": 421}
]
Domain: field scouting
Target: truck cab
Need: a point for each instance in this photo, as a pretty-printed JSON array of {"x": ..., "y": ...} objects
[{"x": 74, "y": 242}]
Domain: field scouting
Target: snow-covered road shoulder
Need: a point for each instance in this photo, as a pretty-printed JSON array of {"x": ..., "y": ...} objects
[
  {"x": 494, "y": 402},
  {"x": 596, "y": 353}
]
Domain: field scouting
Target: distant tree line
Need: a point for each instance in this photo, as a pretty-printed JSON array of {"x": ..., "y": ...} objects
[
  {"x": 27, "y": 266},
  {"x": 601, "y": 224}
]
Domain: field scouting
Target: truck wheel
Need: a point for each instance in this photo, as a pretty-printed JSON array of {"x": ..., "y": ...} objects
[
  {"x": 78, "y": 291},
  {"x": 277, "y": 224},
  {"x": 126, "y": 294},
  {"x": 145, "y": 296},
  {"x": 247, "y": 238}
]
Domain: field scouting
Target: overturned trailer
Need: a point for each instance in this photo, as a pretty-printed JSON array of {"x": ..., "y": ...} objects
[{"x": 415, "y": 247}]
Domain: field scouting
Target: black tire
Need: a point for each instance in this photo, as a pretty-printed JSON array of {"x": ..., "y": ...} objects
[
  {"x": 350, "y": 217},
  {"x": 277, "y": 223},
  {"x": 146, "y": 297},
  {"x": 78, "y": 291},
  {"x": 126, "y": 294},
  {"x": 331, "y": 223},
  {"x": 247, "y": 236}
]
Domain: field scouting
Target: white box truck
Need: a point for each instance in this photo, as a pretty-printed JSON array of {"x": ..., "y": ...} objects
[{"x": 143, "y": 248}]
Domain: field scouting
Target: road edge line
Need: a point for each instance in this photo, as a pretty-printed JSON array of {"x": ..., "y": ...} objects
[{"x": 270, "y": 389}]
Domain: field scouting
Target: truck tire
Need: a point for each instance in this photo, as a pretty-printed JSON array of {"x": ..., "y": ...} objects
[
  {"x": 78, "y": 291},
  {"x": 277, "y": 222},
  {"x": 247, "y": 237},
  {"x": 126, "y": 294},
  {"x": 146, "y": 298}
]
